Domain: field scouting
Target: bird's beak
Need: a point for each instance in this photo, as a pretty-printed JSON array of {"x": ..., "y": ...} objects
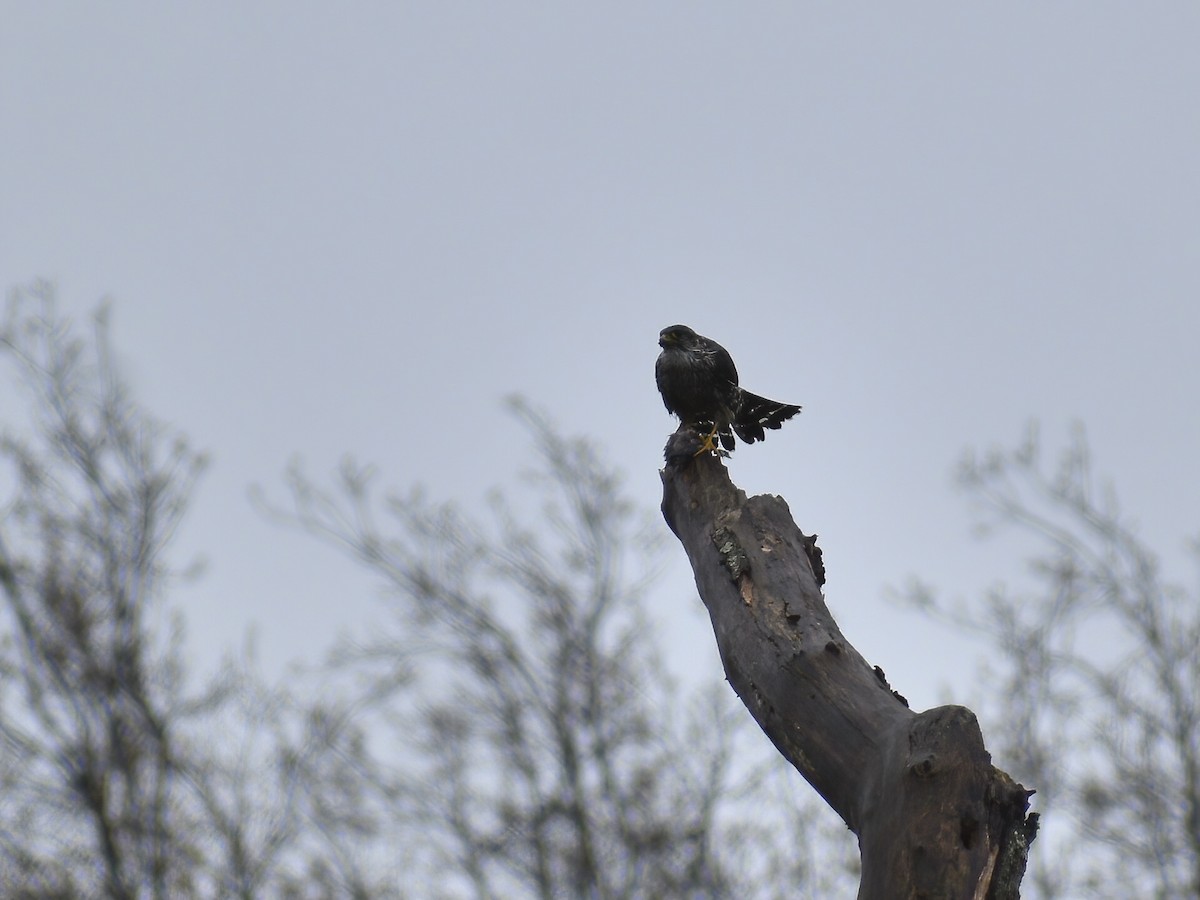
[{"x": 664, "y": 339}]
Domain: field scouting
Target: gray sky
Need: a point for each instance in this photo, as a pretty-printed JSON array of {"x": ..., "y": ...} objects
[{"x": 330, "y": 228}]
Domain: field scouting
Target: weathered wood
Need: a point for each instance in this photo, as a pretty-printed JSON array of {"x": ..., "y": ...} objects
[{"x": 934, "y": 819}]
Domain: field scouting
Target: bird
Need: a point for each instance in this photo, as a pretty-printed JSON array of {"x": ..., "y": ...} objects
[{"x": 699, "y": 384}]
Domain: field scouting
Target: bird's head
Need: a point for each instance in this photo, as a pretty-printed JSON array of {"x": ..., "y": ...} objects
[{"x": 677, "y": 336}]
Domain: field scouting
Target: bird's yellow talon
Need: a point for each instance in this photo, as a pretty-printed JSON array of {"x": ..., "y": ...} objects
[{"x": 710, "y": 444}]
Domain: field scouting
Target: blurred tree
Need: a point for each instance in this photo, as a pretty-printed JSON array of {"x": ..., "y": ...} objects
[
  {"x": 509, "y": 731},
  {"x": 1099, "y": 675},
  {"x": 117, "y": 778},
  {"x": 94, "y": 762},
  {"x": 547, "y": 751}
]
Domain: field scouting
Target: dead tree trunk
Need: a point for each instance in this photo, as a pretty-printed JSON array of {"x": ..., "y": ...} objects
[{"x": 934, "y": 818}]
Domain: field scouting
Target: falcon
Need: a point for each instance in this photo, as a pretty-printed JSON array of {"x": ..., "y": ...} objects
[{"x": 699, "y": 383}]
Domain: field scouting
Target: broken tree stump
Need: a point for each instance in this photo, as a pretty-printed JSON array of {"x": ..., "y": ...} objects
[{"x": 934, "y": 818}]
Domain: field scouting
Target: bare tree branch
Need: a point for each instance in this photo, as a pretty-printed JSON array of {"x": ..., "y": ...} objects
[
  {"x": 933, "y": 817},
  {"x": 114, "y": 781},
  {"x": 1099, "y": 678}
]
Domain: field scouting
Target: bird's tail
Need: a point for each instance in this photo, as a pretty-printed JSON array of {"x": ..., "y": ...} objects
[{"x": 757, "y": 413}]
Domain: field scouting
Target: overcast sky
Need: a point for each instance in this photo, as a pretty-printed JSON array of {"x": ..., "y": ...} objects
[{"x": 333, "y": 228}]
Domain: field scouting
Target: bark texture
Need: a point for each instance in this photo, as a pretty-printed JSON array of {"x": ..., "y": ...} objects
[{"x": 934, "y": 818}]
